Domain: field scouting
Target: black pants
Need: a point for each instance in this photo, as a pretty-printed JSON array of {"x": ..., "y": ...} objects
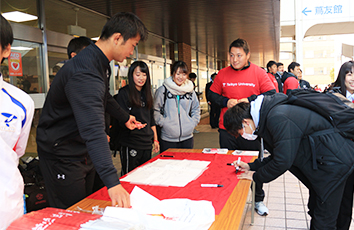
[
  {"x": 132, "y": 158},
  {"x": 67, "y": 181},
  {"x": 228, "y": 141},
  {"x": 186, "y": 144},
  {"x": 214, "y": 115},
  {"x": 323, "y": 213},
  {"x": 345, "y": 212}
]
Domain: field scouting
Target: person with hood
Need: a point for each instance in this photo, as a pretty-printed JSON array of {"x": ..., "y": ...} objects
[
  {"x": 319, "y": 157},
  {"x": 289, "y": 79},
  {"x": 176, "y": 109}
]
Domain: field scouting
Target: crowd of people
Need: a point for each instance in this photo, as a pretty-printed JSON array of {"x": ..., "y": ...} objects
[{"x": 246, "y": 105}]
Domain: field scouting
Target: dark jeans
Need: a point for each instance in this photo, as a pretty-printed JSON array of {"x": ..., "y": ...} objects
[
  {"x": 67, "y": 181},
  {"x": 214, "y": 115},
  {"x": 323, "y": 213},
  {"x": 228, "y": 141},
  {"x": 132, "y": 158},
  {"x": 345, "y": 212},
  {"x": 187, "y": 144}
]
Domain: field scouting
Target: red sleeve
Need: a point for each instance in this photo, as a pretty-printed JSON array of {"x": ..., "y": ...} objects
[
  {"x": 265, "y": 83},
  {"x": 290, "y": 83},
  {"x": 216, "y": 87}
]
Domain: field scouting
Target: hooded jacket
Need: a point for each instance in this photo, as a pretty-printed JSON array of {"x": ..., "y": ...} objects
[
  {"x": 310, "y": 145},
  {"x": 181, "y": 111},
  {"x": 289, "y": 82}
]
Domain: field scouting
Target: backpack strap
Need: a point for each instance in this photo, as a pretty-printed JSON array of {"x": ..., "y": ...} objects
[{"x": 162, "y": 109}]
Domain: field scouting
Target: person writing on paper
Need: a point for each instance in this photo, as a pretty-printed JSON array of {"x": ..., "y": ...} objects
[
  {"x": 176, "y": 109},
  {"x": 71, "y": 136},
  {"x": 287, "y": 131},
  {"x": 136, "y": 99},
  {"x": 16, "y": 110}
]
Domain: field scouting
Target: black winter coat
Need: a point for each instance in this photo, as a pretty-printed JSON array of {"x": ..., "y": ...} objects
[{"x": 295, "y": 136}]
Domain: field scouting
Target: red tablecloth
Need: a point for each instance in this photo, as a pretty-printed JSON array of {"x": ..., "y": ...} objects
[
  {"x": 52, "y": 219},
  {"x": 218, "y": 172}
]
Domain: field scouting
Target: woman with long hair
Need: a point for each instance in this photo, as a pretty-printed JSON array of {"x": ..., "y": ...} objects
[
  {"x": 177, "y": 109},
  {"x": 136, "y": 99}
]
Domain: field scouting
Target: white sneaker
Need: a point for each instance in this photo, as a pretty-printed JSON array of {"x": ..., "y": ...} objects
[{"x": 261, "y": 208}]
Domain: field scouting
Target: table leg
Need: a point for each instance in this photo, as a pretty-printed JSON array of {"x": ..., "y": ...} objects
[{"x": 253, "y": 201}]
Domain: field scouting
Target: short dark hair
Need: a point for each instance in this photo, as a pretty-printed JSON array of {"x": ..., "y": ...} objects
[
  {"x": 213, "y": 76},
  {"x": 347, "y": 67},
  {"x": 270, "y": 64},
  {"x": 127, "y": 24},
  {"x": 134, "y": 96},
  {"x": 78, "y": 44},
  {"x": 280, "y": 64},
  {"x": 240, "y": 43},
  {"x": 192, "y": 76},
  {"x": 6, "y": 37},
  {"x": 234, "y": 117},
  {"x": 179, "y": 64},
  {"x": 292, "y": 66}
]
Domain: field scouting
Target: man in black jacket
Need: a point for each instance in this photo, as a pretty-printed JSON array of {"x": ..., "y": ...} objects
[
  {"x": 319, "y": 157},
  {"x": 71, "y": 136}
]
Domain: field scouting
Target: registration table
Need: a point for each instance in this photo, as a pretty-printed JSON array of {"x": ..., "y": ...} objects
[{"x": 229, "y": 201}]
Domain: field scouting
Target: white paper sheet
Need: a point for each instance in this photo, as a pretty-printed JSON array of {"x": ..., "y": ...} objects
[
  {"x": 215, "y": 150},
  {"x": 167, "y": 172},
  {"x": 245, "y": 153}
]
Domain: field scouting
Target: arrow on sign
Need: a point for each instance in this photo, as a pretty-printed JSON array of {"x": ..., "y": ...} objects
[{"x": 306, "y": 11}]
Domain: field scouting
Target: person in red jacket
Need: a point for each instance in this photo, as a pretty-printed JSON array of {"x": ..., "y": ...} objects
[
  {"x": 240, "y": 82},
  {"x": 289, "y": 79},
  {"x": 272, "y": 70}
]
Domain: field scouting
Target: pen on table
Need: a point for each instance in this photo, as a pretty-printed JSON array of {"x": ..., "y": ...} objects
[
  {"x": 238, "y": 162},
  {"x": 230, "y": 164},
  {"x": 166, "y": 156},
  {"x": 211, "y": 185}
]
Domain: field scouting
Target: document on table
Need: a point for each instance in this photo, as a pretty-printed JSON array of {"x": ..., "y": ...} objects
[
  {"x": 148, "y": 212},
  {"x": 215, "y": 150},
  {"x": 167, "y": 172},
  {"x": 245, "y": 153}
]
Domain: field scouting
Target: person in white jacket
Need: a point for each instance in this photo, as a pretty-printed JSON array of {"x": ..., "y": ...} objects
[{"x": 16, "y": 114}]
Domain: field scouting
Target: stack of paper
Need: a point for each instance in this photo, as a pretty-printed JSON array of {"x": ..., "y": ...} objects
[
  {"x": 245, "y": 153},
  {"x": 167, "y": 172},
  {"x": 149, "y": 213},
  {"x": 214, "y": 150}
]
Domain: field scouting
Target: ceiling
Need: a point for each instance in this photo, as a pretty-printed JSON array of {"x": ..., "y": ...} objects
[{"x": 207, "y": 25}]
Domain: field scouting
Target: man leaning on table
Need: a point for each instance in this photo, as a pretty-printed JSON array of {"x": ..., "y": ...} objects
[
  {"x": 301, "y": 141},
  {"x": 71, "y": 136}
]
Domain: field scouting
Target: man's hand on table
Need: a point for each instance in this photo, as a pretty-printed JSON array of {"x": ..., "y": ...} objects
[{"x": 119, "y": 196}]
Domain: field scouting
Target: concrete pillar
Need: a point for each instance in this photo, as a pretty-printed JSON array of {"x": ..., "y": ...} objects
[{"x": 185, "y": 54}]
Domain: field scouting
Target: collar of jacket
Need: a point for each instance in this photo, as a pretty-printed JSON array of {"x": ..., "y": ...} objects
[
  {"x": 243, "y": 68},
  {"x": 101, "y": 57}
]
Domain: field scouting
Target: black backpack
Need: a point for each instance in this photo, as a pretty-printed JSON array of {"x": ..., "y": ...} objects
[
  {"x": 35, "y": 192},
  {"x": 336, "y": 108}
]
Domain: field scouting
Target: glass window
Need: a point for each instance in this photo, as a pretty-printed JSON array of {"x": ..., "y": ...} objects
[
  {"x": 24, "y": 71},
  {"x": 28, "y": 7},
  {"x": 152, "y": 46}
]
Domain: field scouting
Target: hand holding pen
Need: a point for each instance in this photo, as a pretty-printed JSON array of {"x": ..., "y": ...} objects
[{"x": 240, "y": 165}]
